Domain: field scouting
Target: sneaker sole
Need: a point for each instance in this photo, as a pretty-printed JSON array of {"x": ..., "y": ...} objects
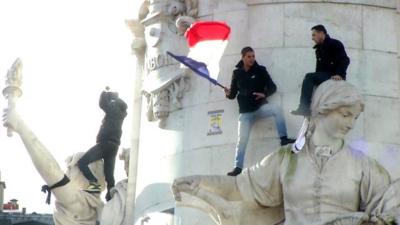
[{"x": 93, "y": 191}]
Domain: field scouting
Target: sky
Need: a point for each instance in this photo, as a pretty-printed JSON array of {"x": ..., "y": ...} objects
[{"x": 71, "y": 50}]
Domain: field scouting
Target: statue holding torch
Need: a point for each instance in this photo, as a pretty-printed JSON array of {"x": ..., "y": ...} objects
[{"x": 13, "y": 87}]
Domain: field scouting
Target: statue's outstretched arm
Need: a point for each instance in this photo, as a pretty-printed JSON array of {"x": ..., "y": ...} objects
[
  {"x": 223, "y": 186},
  {"x": 42, "y": 159}
]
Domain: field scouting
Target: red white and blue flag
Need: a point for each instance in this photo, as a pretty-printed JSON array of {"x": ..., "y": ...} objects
[{"x": 207, "y": 41}]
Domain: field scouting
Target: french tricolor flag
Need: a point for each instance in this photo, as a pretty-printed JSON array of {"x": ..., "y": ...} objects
[{"x": 207, "y": 41}]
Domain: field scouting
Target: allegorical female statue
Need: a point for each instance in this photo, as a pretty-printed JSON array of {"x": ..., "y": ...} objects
[
  {"x": 73, "y": 205},
  {"x": 327, "y": 179}
]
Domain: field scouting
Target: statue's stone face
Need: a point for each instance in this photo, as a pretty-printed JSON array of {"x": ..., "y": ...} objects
[
  {"x": 340, "y": 121},
  {"x": 175, "y": 8}
]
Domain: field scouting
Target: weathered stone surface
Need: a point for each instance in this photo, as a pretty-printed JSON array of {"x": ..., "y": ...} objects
[
  {"x": 238, "y": 21},
  {"x": 287, "y": 72},
  {"x": 299, "y": 18},
  {"x": 376, "y": 23},
  {"x": 378, "y": 74},
  {"x": 266, "y": 26},
  {"x": 381, "y": 120}
]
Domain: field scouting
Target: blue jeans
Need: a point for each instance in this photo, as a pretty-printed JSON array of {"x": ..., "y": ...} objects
[{"x": 246, "y": 121}]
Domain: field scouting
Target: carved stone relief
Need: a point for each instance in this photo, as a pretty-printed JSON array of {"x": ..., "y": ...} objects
[{"x": 160, "y": 28}]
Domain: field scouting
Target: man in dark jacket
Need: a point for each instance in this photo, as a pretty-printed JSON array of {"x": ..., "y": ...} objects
[
  {"x": 252, "y": 84},
  {"x": 107, "y": 144},
  {"x": 332, "y": 63}
]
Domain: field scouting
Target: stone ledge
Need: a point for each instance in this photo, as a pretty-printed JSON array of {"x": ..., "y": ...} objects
[{"x": 378, "y": 3}]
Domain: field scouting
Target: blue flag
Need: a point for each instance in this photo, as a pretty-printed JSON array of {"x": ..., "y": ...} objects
[{"x": 199, "y": 68}]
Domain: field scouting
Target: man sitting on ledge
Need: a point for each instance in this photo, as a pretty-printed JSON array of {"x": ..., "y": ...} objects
[{"x": 332, "y": 63}]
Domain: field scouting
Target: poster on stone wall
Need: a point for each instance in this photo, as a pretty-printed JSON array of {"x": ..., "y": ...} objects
[{"x": 215, "y": 122}]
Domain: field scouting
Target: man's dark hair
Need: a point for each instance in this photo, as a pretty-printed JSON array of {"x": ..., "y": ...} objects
[
  {"x": 246, "y": 50},
  {"x": 319, "y": 28}
]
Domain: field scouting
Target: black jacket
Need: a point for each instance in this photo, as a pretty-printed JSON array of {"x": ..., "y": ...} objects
[
  {"x": 331, "y": 57},
  {"x": 115, "y": 110},
  {"x": 244, "y": 83}
]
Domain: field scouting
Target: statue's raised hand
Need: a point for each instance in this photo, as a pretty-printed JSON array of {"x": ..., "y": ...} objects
[
  {"x": 189, "y": 185},
  {"x": 11, "y": 119}
]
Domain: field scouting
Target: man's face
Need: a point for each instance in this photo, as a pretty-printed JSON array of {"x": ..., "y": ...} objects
[
  {"x": 248, "y": 59},
  {"x": 318, "y": 36}
]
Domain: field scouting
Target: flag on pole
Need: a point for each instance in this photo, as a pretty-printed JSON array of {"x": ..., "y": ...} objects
[
  {"x": 199, "y": 68},
  {"x": 207, "y": 41}
]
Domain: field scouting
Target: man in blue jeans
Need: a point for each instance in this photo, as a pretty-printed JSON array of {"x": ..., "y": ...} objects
[{"x": 252, "y": 84}]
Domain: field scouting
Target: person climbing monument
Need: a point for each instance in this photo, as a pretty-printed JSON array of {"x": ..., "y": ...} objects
[
  {"x": 252, "y": 84},
  {"x": 107, "y": 143}
]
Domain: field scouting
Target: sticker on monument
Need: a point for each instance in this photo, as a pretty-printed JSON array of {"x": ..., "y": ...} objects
[{"x": 215, "y": 121}]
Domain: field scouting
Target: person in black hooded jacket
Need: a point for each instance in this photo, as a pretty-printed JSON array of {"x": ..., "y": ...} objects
[
  {"x": 252, "y": 84},
  {"x": 332, "y": 63},
  {"x": 107, "y": 143}
]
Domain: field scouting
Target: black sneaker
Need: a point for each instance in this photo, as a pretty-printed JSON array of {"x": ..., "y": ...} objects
[
  {"x": 285, "y": 141},
  {"x": 301, "y": 112},
  {"x": 93, "y": 188},
  {"x": 235, "y": 172}
]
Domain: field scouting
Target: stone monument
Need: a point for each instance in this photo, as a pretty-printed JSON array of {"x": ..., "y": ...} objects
[
  {"x": 73, "y": 205},
  {"x": 279, "y": 31},
  {"x": 161, "y": 23},
  {"x": 325, "y": 181}
]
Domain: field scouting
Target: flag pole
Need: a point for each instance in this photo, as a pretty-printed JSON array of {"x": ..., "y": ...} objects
[{"x": 218, "y": 84}]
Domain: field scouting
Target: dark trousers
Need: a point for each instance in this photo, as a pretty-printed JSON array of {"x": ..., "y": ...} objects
[
  {"x": 310, "y": 81},
  {"x": 103, "y": 150}
]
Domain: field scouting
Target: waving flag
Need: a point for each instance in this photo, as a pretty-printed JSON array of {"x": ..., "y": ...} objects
[
  {"x": 199, "y": 68},
  {"x": 207, "y": 41}
]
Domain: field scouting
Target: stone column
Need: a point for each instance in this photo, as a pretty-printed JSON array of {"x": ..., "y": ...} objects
[
  {"x": 398, "y": 34},
  {"x": 157, "y": 29},
  {"x": 2, "y": 187},
  {"x": 138, "y": 48},
  {"x": 133, "y": 160}
]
